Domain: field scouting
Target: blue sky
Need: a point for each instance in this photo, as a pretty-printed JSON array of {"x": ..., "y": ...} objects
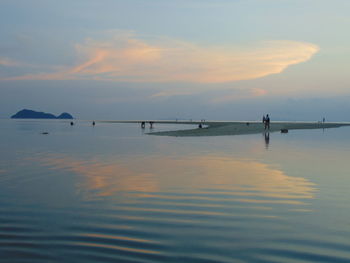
[{"x": 161, "y": 59}]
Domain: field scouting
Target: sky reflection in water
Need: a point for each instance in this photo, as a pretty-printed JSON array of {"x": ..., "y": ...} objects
[
  {"x": 191, "y": 175},
  {"x": 112, "y": 193}
]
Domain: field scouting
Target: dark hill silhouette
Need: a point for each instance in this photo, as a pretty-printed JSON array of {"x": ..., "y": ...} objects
[
  {"x": 30, "y": 114},
  {"x": 65, "y": 115}
]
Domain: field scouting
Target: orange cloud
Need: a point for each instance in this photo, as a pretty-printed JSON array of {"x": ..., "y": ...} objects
[{"x": 126, "y": 58}]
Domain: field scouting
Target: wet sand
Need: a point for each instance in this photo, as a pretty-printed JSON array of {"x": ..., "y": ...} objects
[{"x": 219, "y": 128}]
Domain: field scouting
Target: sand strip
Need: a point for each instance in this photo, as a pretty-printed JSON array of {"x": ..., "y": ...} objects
[{"x": 219, "y": 128}]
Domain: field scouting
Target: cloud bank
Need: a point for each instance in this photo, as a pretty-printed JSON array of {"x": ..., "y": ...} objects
[{"x": 127, "y": 58}]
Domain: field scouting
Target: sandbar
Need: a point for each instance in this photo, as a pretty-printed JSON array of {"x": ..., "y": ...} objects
[{"x": 220, "y": 128}]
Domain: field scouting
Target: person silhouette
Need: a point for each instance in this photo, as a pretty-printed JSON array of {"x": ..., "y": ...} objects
[
  {"x": 267, "y": 122},
  {"x": 264, "y": 121}
]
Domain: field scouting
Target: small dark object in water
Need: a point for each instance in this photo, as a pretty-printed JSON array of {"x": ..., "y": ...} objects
[
  {"x": 284, "y": 130},
  {"x": 151, "y": 124},
  {"x": 93, "y": 123},
  {"x": 143, "y": 125},
  {"x": 200, "y": 126},
  {"x": 71, "y": 123},
  {"x": 247, "y": 123},
  {"x": 45, "y": 133}
]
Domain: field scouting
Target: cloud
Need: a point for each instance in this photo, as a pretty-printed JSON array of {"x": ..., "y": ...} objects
[
  {"x": 258, "y": 92},
  {"x": 170, "y": 93},
  {"x": 9, "y": 62},
  {"x": 125, "y": 57},
  {"x": 238, "y": 94}
]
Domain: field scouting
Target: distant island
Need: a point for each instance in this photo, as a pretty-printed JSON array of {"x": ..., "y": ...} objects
[{"x": 30, "y": 114}]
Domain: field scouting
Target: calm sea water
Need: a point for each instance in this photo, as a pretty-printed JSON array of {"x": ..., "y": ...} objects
[{"x": 111, "y": 193}]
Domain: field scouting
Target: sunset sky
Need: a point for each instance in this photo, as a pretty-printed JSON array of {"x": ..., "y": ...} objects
[{"x": 159, "y": 59}]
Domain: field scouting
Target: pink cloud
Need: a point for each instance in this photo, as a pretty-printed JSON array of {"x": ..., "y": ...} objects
[
  {"x": 126, "y": 58},
  {"x": 258, "y": 92}
]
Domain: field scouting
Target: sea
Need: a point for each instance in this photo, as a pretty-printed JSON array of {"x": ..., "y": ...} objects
[{"x": 113, "y": 193}]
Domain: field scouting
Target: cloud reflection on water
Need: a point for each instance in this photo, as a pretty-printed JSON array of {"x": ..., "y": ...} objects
[{"x": 248, "y": 180}]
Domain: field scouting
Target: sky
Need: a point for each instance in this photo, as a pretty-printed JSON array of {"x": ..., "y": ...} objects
[{"x": 185, "y": 59}]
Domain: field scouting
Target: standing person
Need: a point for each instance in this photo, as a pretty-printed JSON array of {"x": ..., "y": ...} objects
[
  {"x": 267, "y": 122},
  {"x": 264, "y": 121}
]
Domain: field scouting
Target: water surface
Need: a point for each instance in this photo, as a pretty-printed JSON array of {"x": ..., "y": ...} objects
[{"x": 111, "y": 193}]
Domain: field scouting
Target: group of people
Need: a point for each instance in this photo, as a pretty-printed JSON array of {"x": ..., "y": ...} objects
[
  {"x": 266, "y": 122},
  {"x": 143, "y": 124}
]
